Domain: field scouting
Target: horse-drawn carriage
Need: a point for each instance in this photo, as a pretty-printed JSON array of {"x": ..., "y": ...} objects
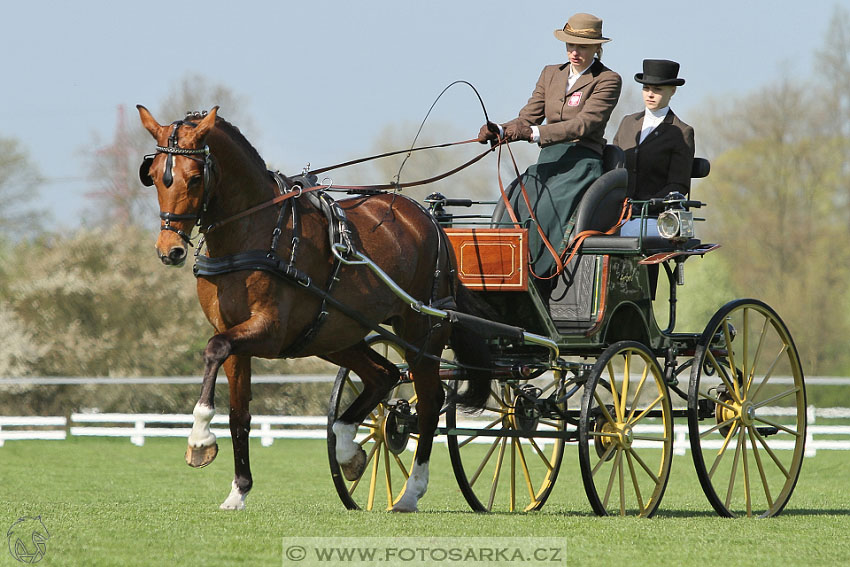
[
  {"x": 288, "y": 272},
  {"x": 614, "y": 382}
]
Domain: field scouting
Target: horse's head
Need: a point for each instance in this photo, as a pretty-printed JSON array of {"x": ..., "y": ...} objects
[{"x": 182, "y": 171}]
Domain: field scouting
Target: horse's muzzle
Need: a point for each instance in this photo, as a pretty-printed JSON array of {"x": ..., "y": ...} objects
[{"x": 175, "y": 257}]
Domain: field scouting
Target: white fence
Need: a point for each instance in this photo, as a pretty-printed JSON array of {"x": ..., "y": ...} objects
[{"x": 138, "y": 427}]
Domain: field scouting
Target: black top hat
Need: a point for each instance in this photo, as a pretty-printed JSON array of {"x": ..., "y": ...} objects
[{"x": 659, "y": 72}]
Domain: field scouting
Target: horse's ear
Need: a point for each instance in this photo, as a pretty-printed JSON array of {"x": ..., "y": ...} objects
[
  {"x": 149, "y": 122},
  {"x": 206, "y": 124}
]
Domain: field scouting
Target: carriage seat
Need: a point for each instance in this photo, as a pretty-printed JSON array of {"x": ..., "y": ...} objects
[{"x": 601, "y": 206}]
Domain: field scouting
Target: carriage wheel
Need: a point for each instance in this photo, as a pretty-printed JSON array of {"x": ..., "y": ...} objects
[
  {"x": 509, "y": 456},
  {"x": 747, "y": 411},
  {"x": 384, "y": 435},
  {"x": 625, "y": 432}
]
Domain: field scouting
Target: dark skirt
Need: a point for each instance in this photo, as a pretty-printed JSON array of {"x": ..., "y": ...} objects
[{"x": 555, "y": 184}]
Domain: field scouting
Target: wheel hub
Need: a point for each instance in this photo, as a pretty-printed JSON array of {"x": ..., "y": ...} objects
[
  {"x": 396, "y": 427},
  {"x": 525, "y": 411}
]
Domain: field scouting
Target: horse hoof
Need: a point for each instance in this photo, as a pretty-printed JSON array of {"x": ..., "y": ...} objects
[
  {"x": 402, "y": 510},
  {"x": 355, "y": 467},
  {"x": 198, "y": 457}
]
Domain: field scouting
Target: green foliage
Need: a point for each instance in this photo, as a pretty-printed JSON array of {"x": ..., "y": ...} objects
[{"x": 99, "y": 303}]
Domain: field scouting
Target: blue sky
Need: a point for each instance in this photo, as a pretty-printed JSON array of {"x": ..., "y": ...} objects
[{"x": 321, "y": 79}]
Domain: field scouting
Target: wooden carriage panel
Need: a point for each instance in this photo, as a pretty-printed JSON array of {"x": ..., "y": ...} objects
[{"x": 491, "y": 259}]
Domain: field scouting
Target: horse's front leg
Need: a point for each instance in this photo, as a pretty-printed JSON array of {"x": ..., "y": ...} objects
[
  {"x": 232, "y": 348},
  {"x": 238, "y": 370},
  {"x": 203, "y": 448}
]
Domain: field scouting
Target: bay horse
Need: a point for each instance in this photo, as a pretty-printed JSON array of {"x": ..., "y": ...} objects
[{"x": 206, "y": 172}]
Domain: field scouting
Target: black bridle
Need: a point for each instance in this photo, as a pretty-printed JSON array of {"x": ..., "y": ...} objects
[{"x": 173, "y": 149}]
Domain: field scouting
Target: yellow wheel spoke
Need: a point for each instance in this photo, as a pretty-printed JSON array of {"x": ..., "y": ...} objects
[
  {"x": 484, "y": 462},
  {"x": 637, "y": 393},
  {"x": 722, "y": 450},
  {"x": 611, "y": 479},
  {"x": 745, "y": 352},
  {"x": 776, "y": 397},
  {"x": 603, "y": 409},
  {"x": 721, "y": 373},
  {"x": 526, "y": 473},
  {"x": 540, "y": 454},
  {"x": 746, "y": 473},
  {"x": 650, "y": 438},
  {"x": 734, "y": 473},
  {"x": 471, "y": 438},
  {"x": 401, "y": 466},
  {"x": 370, "y": 501},
  {"x": 635, "y": 480},
  {"x": 614, "y": 395},
  {"x": 624, "y": 392},
  {"x": 760, "y": 467},
  {"x": 643, "y": 465},
  {"x": 771, "y": 453},
  {"x": 512, "y": 503},
  {"x": 622, "y": 480},
  {"x": 708, "y": 432},
  {"x": 389, "y": 476},
  {"x": 770, "y": 370},
  {"x": 499, "y": 459},
  {"x": 718, "y": 402},
  {"x": 777, "y": 426},
  {"x": 648, "y": 409},
  {"x": 368, "y": 438},
  {"x": 751, "y": 375},
  {"x": 730, "y": 357},
  {"x": 603, "y": 459},
  {"x": 357, "y": 389}
]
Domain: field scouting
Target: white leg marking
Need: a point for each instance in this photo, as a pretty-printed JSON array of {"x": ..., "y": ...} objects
[
  {"x": 346, "y": 448},
  {"x": 414, "y": 489},
  {"x": 235, "y": 500},
  {"x": 201, "y": 436}
]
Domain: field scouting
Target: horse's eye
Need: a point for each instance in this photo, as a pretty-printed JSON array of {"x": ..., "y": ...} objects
[{"x": 194, "y": 181}]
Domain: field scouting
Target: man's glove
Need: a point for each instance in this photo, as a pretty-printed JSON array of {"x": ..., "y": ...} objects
[
  {"x": 488, "y": 133},
  {"x": 516, "y": 131}
]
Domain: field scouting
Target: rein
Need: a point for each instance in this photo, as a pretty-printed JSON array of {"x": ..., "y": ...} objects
[{"x": 353, "y": 188}]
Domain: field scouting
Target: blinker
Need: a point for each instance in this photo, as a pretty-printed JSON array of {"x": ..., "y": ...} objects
[{"x": 145, "y": 171}]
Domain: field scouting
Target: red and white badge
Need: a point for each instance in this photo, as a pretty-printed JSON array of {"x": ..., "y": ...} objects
[{"x": 575, "y": 99}]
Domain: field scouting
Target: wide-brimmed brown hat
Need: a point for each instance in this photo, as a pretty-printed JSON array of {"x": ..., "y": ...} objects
[
  {"x": 583, "y": 29},
  {"x": 660, "y": 72}
]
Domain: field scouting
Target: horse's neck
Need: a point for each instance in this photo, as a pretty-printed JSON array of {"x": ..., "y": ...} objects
[{"x": 242, "y": 185}]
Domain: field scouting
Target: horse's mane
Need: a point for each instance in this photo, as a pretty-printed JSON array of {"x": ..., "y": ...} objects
[{"x": 236, "y": 135}]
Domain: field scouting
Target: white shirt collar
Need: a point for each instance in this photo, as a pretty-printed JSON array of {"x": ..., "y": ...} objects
[
  {"x": 656, "y": 115},
  {"x": 651, "y": 120},
  {"x": 571, "y": 80}
]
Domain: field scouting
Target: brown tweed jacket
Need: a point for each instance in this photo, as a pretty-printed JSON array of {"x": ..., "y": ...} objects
[
  {"x": 662, "y": 163},
  {"x": 578, "y": 115}
]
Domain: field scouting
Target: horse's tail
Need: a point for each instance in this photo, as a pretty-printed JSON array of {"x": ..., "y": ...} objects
[{"x": 471, "y": 348}]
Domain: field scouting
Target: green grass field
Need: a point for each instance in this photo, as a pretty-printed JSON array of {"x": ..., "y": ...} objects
[{"x": 108, "y": 502}]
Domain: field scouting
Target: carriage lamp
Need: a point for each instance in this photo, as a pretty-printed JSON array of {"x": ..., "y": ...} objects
[{"x": 675, "y": 223}]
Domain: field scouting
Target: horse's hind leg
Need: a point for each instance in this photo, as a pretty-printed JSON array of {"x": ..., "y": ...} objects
[
  {"x": 238, "y": 370},
  {"x": 379, "y": 376},
  {"x": 429, "y": 401}
]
